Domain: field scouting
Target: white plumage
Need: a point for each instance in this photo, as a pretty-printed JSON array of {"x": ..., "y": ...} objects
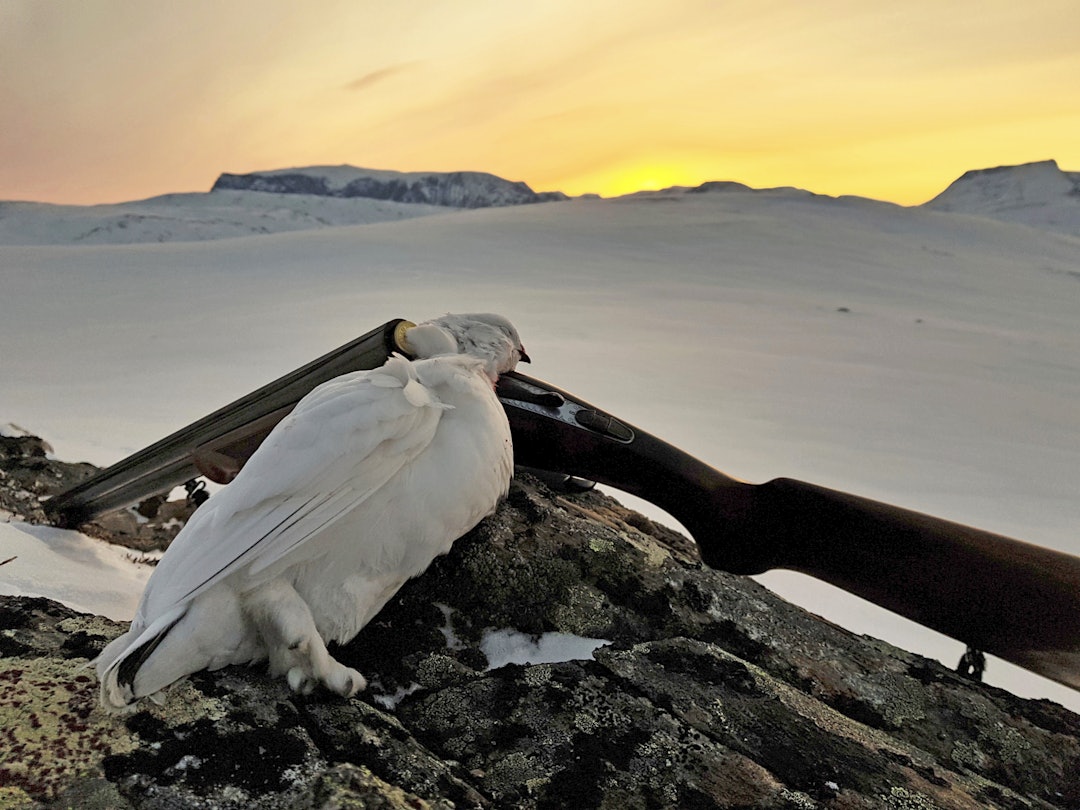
[{"x": 371, "y": 476}]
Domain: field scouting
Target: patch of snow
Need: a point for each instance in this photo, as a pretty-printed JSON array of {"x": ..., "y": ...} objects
[
  {"x": 83, "y": 573},
  {"x": 452, "y": 641},
  {"x": 390, "y": 702},
  {"x": 510, "y": 646},
  {"x": 188, "y": 761}
]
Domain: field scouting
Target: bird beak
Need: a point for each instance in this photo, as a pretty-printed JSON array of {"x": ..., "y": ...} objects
[{"x": 522, "y": 357}]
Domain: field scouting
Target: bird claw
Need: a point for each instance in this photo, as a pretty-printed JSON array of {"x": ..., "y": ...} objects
[
  {"x": 343, "y": 680},
  {"x": 354, "y": 682},
  {"x": 299, "y": 681}
]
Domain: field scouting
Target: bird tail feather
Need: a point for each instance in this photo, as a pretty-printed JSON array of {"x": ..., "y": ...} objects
[{"x": 125, "y": 659}]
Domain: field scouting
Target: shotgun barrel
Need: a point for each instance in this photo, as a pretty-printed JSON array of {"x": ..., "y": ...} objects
[{"x": 218, "y": 444}]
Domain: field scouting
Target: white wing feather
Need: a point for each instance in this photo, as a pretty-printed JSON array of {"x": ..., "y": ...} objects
[{"x": 340, "y": 444}]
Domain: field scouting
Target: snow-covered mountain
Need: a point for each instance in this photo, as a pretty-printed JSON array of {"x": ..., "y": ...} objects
[
  {"x": 1037, "y": 194},
  {"x": 194, "y": 217},
  {"x": 1034, "y": 194},
  {"x": 262, "y": 203},
  {"x": 453, "y": 189}
]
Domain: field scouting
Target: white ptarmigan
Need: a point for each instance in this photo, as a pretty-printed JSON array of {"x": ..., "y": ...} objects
[{"x": 372, "y": 476}]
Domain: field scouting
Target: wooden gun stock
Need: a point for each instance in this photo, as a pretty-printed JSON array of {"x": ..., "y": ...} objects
[{"x": 1013, "y": 599}]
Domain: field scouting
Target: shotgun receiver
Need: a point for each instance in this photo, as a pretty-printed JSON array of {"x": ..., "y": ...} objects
[{"x": 1015, "y": 600}]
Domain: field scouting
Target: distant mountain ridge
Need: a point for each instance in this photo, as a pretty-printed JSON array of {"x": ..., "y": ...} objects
[
  {"x": 718, "y": 187},
  {"x": 450, "y": 189},
  {"x": 1039, "y": 194}
]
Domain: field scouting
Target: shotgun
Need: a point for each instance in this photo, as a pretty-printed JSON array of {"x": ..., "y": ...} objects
[{"x": 996, "y": 594}]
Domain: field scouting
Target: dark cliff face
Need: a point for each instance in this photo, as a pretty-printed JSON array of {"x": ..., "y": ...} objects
[
  {"x": 452, "y": 189},
  {"x": 712, "y": 693}
]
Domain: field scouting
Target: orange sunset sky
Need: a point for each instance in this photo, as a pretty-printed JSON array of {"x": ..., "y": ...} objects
[{"x": 111, "y": 100}]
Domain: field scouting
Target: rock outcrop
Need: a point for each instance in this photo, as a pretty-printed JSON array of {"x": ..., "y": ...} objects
[
  {"x": 453, "y": 189},
  {"x": 27, "y": 474},
  {"x": 709, "y": 692}
]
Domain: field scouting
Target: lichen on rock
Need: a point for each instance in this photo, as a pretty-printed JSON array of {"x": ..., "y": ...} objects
[{"x": 712, "y": 693}]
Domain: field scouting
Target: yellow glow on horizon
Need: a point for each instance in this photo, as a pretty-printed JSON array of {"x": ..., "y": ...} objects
[
  {"x": 640, "y": 177},
  {"x": 112, "y": 101}
]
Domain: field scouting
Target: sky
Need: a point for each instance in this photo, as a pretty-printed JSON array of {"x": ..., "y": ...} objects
[{"x": 114, "y": 100}]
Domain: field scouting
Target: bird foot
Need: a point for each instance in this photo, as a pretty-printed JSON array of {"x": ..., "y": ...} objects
[
  {"x": 293, "y": 644},
  {"x": 339, "y": 679}
]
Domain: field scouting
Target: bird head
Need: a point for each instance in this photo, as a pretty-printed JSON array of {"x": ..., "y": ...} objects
[{"x": 488, "y": 337}]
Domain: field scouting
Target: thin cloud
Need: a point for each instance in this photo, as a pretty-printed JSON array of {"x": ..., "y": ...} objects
[{"x": 369, "y": 80}]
